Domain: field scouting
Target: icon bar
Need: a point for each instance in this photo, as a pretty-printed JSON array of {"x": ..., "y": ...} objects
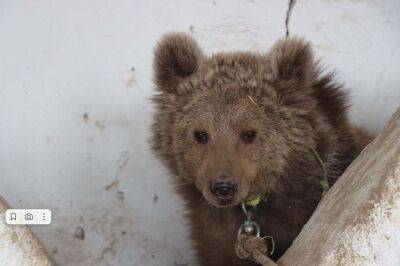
[{"x": 28, "y": 216}]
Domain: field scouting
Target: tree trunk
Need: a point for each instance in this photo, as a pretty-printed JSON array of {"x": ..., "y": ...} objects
[
  {"x": 358, "y": 221},
  {"x": 18, "y": 245}
]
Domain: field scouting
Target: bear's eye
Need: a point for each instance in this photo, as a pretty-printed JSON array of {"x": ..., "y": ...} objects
[
  {"x": 249, "y": 136},
  {"x": 201, "y": 136}
]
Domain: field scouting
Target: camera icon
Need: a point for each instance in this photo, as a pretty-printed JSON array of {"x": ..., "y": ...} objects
[{"x": 28, "y": 217}]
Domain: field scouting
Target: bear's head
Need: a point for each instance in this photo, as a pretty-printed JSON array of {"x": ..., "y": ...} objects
[{"x": 233, "y": 124}]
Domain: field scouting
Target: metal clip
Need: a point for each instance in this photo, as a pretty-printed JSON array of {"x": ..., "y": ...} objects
[{"x": 249, "y": 227}]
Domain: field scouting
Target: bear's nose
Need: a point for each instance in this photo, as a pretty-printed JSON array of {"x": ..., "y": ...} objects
[{"x": 224, "y": 189}]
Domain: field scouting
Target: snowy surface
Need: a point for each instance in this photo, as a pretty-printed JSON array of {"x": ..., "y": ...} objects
[{"x": 75, "y": 78}]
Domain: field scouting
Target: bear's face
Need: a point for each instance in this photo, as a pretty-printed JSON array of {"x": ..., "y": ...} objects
[
  {"x": 223, "y": 142},
  {"x": 227, "y": 123}
]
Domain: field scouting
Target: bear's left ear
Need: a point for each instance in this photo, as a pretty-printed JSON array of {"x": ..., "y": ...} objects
[
  {"x": 176, "y": 57},
  {"x": 291, "y": 63}
]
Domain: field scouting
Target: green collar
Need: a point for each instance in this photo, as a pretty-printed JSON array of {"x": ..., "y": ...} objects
[{"x": 253, "y": 200}]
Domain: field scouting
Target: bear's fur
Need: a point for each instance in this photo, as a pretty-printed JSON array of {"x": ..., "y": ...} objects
[{"x": 292, "y": 108}]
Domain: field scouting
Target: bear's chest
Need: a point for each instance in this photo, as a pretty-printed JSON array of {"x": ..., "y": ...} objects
[{"x": 216, "y": 234}]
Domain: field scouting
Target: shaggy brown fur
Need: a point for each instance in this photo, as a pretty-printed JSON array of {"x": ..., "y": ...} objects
[{"x": 285, "y": 101}]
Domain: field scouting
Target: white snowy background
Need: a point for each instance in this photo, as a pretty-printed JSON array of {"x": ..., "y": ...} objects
[{"x": 75, "y": 79}]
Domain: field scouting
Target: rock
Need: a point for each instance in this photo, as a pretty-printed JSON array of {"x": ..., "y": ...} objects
[
  {"x": 79, "y": 233},
  {"x": 18, "y": 245},
  {"x": 358, "y": 221}
]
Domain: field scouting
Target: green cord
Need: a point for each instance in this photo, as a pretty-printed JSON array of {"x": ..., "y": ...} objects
[{"x": 324, "y": 182}]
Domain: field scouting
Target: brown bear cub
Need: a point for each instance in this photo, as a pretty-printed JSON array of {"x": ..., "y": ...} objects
[{"x": 234, "y": 125}]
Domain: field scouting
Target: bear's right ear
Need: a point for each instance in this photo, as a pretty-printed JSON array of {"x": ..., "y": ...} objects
[{"x": 176, "y": 57}]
